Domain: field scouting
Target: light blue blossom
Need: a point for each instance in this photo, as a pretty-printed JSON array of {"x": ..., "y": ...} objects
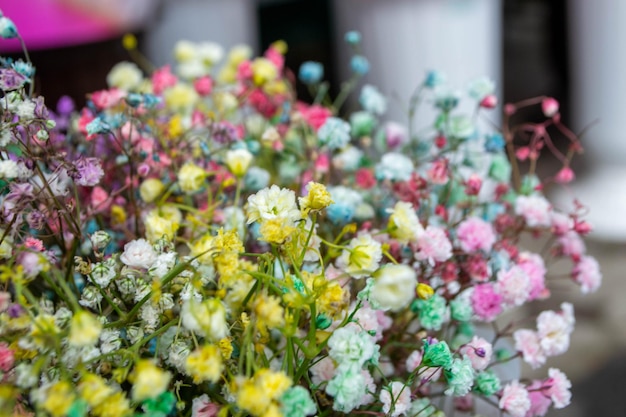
[
  {"x": 394, "y": 166},
  {"x": 353, "y": 37},
  {"x": 7, "y": 28},
  {"x": 348, "y": 159},
  {"x": 460, "y": 377},
  {"x": 256, "y": 179},
  {"x": 494, "y": 143},
  {"x": 460, "y": 127},
  {"x": 481, "y": 87},
  {"x": 360, "y": 65},
  {"x": 346, "y": 200},
  {"x": 348, "y": 389},
  {"x": 372, "y": 100},
  {"x": 334, "y": 133},
  {"x": 25, "y": 68},
  {"x": 461, "y": 309},
  {"x": 340, "y": 214},
  {"x": 434, "y": 79},
  {"x": 311, "y": 72},
  {"x": 98, "y": 125}
]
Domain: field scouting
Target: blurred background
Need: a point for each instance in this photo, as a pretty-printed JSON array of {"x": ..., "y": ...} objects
[{"x": 573, "y": 50}]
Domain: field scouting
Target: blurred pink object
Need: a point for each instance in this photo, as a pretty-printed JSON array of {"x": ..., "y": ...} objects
[{"x": 46, "y": 24}]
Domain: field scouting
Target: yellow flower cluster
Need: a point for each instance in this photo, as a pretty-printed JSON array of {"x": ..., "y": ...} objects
[
  {"x": 317, "y": 198},
  {"x": 149, "y": 381},
  {"x": 205, "y": 364},
  {"x": 259, "y": 395}
]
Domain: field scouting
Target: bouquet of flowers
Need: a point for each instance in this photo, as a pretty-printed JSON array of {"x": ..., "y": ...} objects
[{"x": 195, "y": 241}]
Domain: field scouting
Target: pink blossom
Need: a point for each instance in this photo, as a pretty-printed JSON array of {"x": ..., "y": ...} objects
[
  {"x": 244, "y": 70},
  {"x": 486, "y": 302},
  {"x": 99, "y": 199},
  {"x": 203, "y": 407},
  {"x": 558, "y": 388},
  {"x": 130, "y": 133},
  {"x": 489, "y": 101},
  {"x": 554, "y": 331},
  {"x": 433, "y": 245},
  {"x": 413, "y": 360},
  {"x": 527, "y": 342},
  {"x": 162, "y": 78},
  {"x": 479, "y": 352},
  {"x": 274, "y": 55},
  {"x": 549, "y": 106},
  {"x": 561, "y": 223},
  {"x": 105, "y": 99},
  {"x": 396, "y": 135},
  {"x": 587, "y": 273},
  {"x": 535, "y": 268},
  {"x": 476, "y": 234},
  {"x": 539, "y": 402},
  {"x": 534, "y": 209},
  {"x": 365, "y": 178},
  {"x": 473, "y": 184},
  {"x": 438, "y": 172},
  {"x": 396, "y": 402},
  {"x": 7, "y": 357},
  {"x": 572, "y": 245},
  {"x": 514, "y": 286},
  {"x": 368, "y": 320},
  {"x": 477, "y": 268},
  {"x": 203, "y": 85},
  {"x": 565, "y": 175},
  {"x": 322, "y": 371},
  {"x": 322, "y": 163},
  {"x": 315, "y": 115},
  {"x": 34, "y": 244},
  {"x": 514, "y": 399}
]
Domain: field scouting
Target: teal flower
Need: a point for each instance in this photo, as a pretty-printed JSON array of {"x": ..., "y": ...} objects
[
  {"x": 431, "y": 312},
  {"x": 461, "y": 309},
  {"x": 460, "y": 377},
  {"x": 353, "y": 37},
  {"x": 487, "y": 383},
  {"x": 360, "y": 65},
  {"x": 372, "y": 100},
  {"x": 434, "y": 79},
  {"x": 98, "y": 125},
  {"x": 500, "y": 169},
  {"x": 297, "y": 402},
  {"x": 437, "y": 355},
  {"x": 348, "y": 389},
  {"x": 311, "y": 72},
  {"x": 334, "y": 133},
  {"x": 362, "y": 123},
  {"x": 7, "y": 28}
]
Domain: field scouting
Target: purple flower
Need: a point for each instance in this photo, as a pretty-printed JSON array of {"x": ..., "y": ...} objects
[
  {"x": 89, "y": 171},
  {"x": 223, "y": 132},
  {"x": 10, "y": 79}
]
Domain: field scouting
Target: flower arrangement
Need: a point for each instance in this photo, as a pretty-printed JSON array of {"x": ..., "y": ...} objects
[{"x": 197, "y": 242}]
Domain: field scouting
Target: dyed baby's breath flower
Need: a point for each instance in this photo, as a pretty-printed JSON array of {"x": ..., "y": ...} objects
[
  {"x": 587, "y": 274},
  {"x": 85, "y": 329},
  {"x": 514, "y": 399},
  {"x": 150, "y": 189},
  {"x": 139, "y": 254},
  {"x": 149, "y": 381},
  {"x": 191, "y": 177},
  {"x": 207, "y": 318},
  {"x": 557, "y": 386},
  {"x": 479, "y": 352},
  {"x": 126, "y": 76},
  {"x": 476, "y": 234},
  {"x": 361, "y": 257},
  {"x": 372, "y": 100},
  {"x": 396, "y": 399},
  {"x": 534, "y": 209},
  {"x": 404, "y": 224},
  {"x": 460, "y": 377},
  {"x": 271, "y": 203},
  {"x": 394, "y": 166},
  {"x": 433, "y": 245},
  {"x": 238, "y": 161},
  {"x": 394, "y": 287},
  {"x": 334, "y": 133},
  {"x": 317, "y": 198},
  {"x": 205, "y": 364},
  {"x": 347, "y": 389}
]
